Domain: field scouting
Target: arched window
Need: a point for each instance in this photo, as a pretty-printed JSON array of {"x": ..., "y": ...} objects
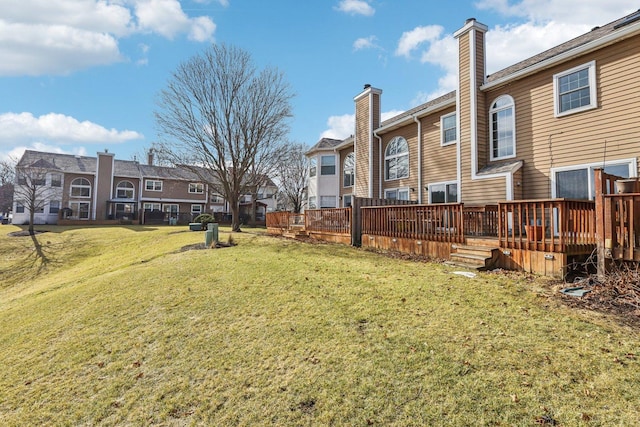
[
  {"x": 125, "y": 190},
  {"x": 503, "y": 128},
  {"x": 348, "y": 170},
  {"x": 80, "y": 187},
  {"x": 396, "y": 159}
]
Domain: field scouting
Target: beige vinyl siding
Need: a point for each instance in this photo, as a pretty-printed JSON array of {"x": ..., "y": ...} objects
[
  {"x": 438, "y": 162},
  {"x": 377, "y": 155},
  {"x": 479, "y": 191},
  {"x": 361, "y": 146},
  {"x": 410, "y": 133},
  {"x": 544, "y": 141}
]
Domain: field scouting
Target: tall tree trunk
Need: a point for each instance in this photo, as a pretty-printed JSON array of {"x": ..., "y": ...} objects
[{"x": 235, "y": 216}]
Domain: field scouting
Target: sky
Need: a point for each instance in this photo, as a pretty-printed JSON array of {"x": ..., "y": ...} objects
[{"x": 82, "y": 76}]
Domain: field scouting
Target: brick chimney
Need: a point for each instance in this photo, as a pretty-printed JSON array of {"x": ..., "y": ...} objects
[{"x": 150, "y": 157}]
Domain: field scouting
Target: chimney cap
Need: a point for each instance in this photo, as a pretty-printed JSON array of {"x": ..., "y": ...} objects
[
  {"x": 469, "y": 20},
  {"x": 366, "y": 86}
]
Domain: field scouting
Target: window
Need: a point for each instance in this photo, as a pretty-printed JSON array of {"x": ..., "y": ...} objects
[
  {"x": 152, "y": 185},
  {"x": 327, "y": 202},
  {"x": 313, "y": 165},
  {"x": 80, "y": 187},
  {"x": 397, "y": 194},
  {"x": 348, "y": 170},
  {"x": 39, "y": 180},
  {"x": 448, "y": 129},
  {"x": 577, "y": 182},
  {"x": 575, "y": 89},
  {"x": 216, "y": 198},
  {"x": 312, "y": 202},
  {"x": 196, "y": 188},
  {"x": 347, "y": 200},
  {"x": 19, "y": 208},
  {"x": 196, "y": 209},
  {"x": 503, "y": 126},
  {"x": 151, "y": 206},
  {"x": 443, "y": 192},
  {"x": 171, "y": 209},
  {"x": 396, "y": 159},
  {"x": 79, "y": 210},
  {"x": 327, "y": 165},
  {"x": 125, "y": 190},
  {"x": 22, "y": 179},
  {"x": 54, "y": 206},
  {"x": 56, "y": 180}
]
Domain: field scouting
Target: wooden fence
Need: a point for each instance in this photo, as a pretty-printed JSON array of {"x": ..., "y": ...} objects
[
  {"x": 336, "y": 220},
  {"x": 556, "y": 225},
  {"x": 438, "y": 223}
]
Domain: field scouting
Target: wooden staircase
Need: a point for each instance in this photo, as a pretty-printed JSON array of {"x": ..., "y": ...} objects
[
  {"x": 475, "y": 254},
  {"x": 295, "y": 232}
]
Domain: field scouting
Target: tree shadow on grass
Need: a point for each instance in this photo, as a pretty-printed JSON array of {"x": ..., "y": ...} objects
[{"x": 42, "y": 256}]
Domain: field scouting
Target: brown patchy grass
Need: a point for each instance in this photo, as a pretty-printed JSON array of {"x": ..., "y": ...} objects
[{"x": 121, "y": 327}]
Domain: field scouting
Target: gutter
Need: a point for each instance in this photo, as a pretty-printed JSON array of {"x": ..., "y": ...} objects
[{"x": 624, "y": 33}]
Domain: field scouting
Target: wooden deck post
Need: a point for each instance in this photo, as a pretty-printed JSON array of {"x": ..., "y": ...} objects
[{"x": 600, "y": 184}]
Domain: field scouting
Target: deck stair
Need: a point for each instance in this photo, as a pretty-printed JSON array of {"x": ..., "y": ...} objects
[
  {"x": 295, "y": 232},
  {"x": 476, "y": 254}
]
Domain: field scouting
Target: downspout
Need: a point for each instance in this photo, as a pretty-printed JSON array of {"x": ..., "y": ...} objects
[
  {"x": 419, "y": 123},
  {"x": 380, "y": 164},
  {"x": 371, "y": 146}
]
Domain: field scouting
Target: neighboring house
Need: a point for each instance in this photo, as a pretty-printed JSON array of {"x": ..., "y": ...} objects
[
  {"x": 323, "y": 189},
  {"x": 102, "y": 189},
  {"x": 535, "y": 130}
]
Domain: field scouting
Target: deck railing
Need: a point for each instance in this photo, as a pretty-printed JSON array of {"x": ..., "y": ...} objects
[
  {"x": 622, "y": 224},
  {"x": 336, "y": 220},
  {"x": 481, "y": 220},
  {"x": 278, "y": 220},
  {"x": 556, "y": 225},
  {"x": 441, "y": 222}
]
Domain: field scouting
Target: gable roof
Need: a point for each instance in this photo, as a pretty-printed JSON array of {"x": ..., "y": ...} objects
[
  {"x": 596, "y": 38},
  {"x": 324, "y": 144}
]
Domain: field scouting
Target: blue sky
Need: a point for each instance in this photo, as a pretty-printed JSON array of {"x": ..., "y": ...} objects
[{"x": 79, "y": 76}]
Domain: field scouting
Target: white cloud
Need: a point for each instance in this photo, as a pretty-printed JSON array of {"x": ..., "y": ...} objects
[
  {"x": 543, "y": 25},
  {"x": 58, "y": 37},
  {"x": 355, "y": 7},
  {"x": 410, "y": 40},
  {"x": 341, "y": 127},
  {"x": 365, "y": 43},
  {"x": 52, "y": 128}
]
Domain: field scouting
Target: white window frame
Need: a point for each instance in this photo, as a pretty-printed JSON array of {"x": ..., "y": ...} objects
[
  {"x": 169, "y": 211},
  {"x": 56, "y": 181},
  {"x": 77, "y": 209},
  {"x": 53, "y": 210},
  {"x": 443, "y": 130},
  {"x": 313, "y": 167},
  {"x": 312, "y": 202},
  {"x": 156, "y": 185},
  {"x": 196, "y": 211},
  {"x": 397, "y": 191},
  {"x": 80, "y": 187},
  {"x": 131, "y": 189},
  {"x": 396, "y": 156},
  {"x": 446, "y": 193},
  {"x": 351, "y": 168},
  {"x": 593, "y": 92},
  {"x": 333, "y": 205},
  {"x": 196, "y": 188},
  {"x": 151, "y": 206},
  {"x": 323, "y": 166},
  {"x": 512, "y": 123},
  {"x": 347, "y": 200},
  {"x": 20, "y": 207},
  {"x": 631, "y": 162}
]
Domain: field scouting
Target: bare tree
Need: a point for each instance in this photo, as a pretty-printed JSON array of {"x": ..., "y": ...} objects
[
  {"x": 31, "y": 190},
  {"x": 7, "y": 177},
  {"x": 293, "y": 176},
  {"x": 219, "y": 116}
]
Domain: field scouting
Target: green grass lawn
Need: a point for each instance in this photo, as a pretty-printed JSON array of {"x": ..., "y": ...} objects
[{"x": 118, "y": 326}]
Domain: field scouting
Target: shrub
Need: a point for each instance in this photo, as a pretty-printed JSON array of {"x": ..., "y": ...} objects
[{"x": 205, "y": 219}]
